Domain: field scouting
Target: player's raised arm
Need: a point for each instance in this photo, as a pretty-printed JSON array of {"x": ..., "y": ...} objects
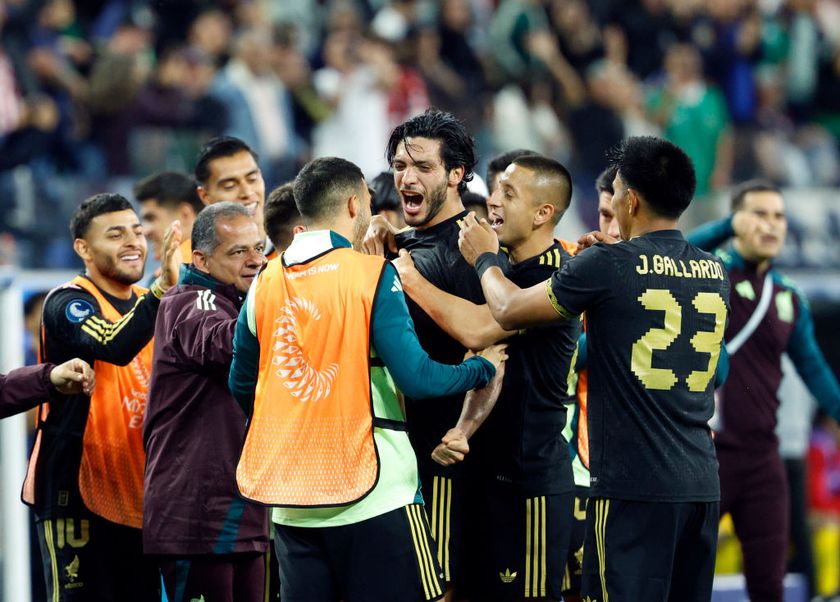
[{"x": 512, "y": 307}]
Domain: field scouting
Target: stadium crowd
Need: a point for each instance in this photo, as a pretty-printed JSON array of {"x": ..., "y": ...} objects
[{"x": 95, "y": 94}]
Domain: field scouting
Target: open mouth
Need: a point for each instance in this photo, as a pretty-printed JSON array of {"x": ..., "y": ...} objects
[
  {"x": 251, "y": 207},
  {"x": 412, "y": 202},
  {"x": 496, "y": 222}
]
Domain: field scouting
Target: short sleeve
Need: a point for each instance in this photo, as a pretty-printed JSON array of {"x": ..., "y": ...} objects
[{"x": 581, "y": 283}]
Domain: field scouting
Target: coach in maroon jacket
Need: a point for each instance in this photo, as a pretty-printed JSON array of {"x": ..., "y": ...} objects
[
  {"x": 211, "y": 544},
  {"x": 24, "y": 388}
]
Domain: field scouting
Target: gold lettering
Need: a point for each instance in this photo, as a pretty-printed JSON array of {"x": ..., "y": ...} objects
[
  {"x": 705, "y": 268},
  {"x": 658, "y": 264},
  {"x": 84, "y": 537},
  {"x": 718, "y": 270},
  {"x": 642, "y": 269},
  {"x": 59, "y": 531},
  {"x": 695, "y": 268},
  {"x": 685, "y": 273},
  {"x": 669, "y": 266}
]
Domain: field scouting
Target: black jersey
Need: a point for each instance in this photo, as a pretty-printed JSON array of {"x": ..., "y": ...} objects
[
  {"x": 437, "y": 257},
  {"x": 521, "y": 441},
  {"x": 656, "y": 308},
  {"x": 73, "y": 326}
]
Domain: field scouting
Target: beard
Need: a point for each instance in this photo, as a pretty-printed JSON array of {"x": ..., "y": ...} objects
[
  {"x": 436, "y": 201},
  {"x": 360, "y": 226},
  {"x": 108, "y": 267}
]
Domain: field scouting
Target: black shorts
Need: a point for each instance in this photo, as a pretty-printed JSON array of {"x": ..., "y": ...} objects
[
  {"x": 651, "y": 551},
  {"x": 89, "y": 558},
  {"x": 388, "y": 557},
  {"x": 574, "y": 559},
  {"x": 447, "y": 508},
  {"x": 521, "y": 545}
]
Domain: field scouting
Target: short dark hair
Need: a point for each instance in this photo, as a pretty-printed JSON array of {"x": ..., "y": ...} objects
[
  {"x": 323, "y": 184},
  {"x": 385, "y": 195},
  {"x": 457, "y": 147},
  {"x": 281, "y": 215},
  {"x": 222, "y": 146},
  {"x": 169, "y": 189},
  {"x": 554, "y": 178},
  {"x": 204, "y": 235},
  {"x": 742, "y": 190},
  {"x": 604, "y": 183},
  {"x": 659, "y": 171},
  {"x": 91, "y": 207},
  {"x": 472, "y": 199},
  {"x": 499, "y": 163}
]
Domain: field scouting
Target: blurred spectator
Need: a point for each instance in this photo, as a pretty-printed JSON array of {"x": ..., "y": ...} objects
[
  {"x": 385, "y": 200},
  {"x": 282, "y": 218},
  {"x": 693, "y": 116},
  {"x": 475, "y": 202},
  {"x": 259, "y": 105}
]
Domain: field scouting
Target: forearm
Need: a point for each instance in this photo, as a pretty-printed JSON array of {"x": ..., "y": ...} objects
[
  {"x": 119, "y": 342},
  {"x": 24, "y": 388},
  {"x": 471, "y": 325},
  {"x": 478, "y": 404},
  {"x": 515, "y": 308},
  {"x": 711, "y": 235},
  {"x": 244, "y": 367}
]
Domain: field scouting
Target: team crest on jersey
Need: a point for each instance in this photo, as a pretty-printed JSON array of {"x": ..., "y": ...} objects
[{"x": 78, "y": 310}]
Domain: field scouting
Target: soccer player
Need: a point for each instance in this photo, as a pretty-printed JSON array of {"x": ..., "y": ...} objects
[
  {"x": 85, "y": 478},
  {"x": 165, "y": 197},
  {"x": 656, "y": 308},
  {"x": 320, "y": 345},
  {"x": 498, "y": 164},
  {"x": 24, "y": 388},
  {"x": 770, "y": 316},
  {"x": 227, "y": 170},
  {"x": 282, "y": 218},
  {"x": 433, "y": 157},
  {"x": 208, "y": 542},
  {"x": 522, "y": 471}
]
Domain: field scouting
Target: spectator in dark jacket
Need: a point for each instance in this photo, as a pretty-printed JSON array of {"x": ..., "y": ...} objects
[{"x": 210, "y": 543}]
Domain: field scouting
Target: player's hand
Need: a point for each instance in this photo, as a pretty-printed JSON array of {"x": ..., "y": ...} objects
[
  {"x": 452, "y": 448},
  {"x": 379, "y": 237},
  {"x": 73, "y": 377},
  {"x": 743, "y": 222},
  {"x": 476, "y": 237},
  {"x": 495, "y": 354},
  {"x": 591, "y": 238},
  {"x": 171, "y": 259},
  {"x": 407, "y": 270}
]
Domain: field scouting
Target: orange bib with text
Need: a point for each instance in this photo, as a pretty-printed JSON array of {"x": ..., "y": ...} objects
[
  {"x": 310, "y": 439},
  {"x": 111, "y": 471}
]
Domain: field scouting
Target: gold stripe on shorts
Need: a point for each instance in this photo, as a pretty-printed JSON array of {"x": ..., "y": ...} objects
[
  {"x": 535, "y": 547},
  {"x": 602, "y": 508},
  {"x": 425, "y": 562},
  {"x": 441, "y": 512},
  {"x": 48, "y": 537}
]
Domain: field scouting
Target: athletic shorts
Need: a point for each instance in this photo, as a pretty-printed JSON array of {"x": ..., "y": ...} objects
[
  {"x": 215, "y": 577},
  {"x": 89, "y": 558},
  {"x": 388, "y": 557},
  {"x": 574, "y": 559},
  {"x": 522, "y": 544},
  {"x": 447, "y": 508},
  {"x": 651, "y": 551}
]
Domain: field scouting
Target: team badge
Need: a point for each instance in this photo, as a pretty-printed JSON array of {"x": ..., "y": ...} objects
[{"x": 78, "y": 310}]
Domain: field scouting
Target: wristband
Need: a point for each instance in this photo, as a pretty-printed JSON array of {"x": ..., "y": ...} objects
[
  {"x": 485, "y": 261},
  {"x": 156, "y": 290}
]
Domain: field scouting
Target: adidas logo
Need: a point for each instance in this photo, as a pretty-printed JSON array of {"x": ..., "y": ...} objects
[
  {"x": 507, "y": 576},
  {"x": 199, "y": 599},
  {"x": 397, "y": 286}
]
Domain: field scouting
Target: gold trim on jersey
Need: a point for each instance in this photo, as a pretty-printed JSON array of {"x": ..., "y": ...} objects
[
  {"x": 105, "y": 331},
  {"x": 564, "y": 313},
  {"x": 48, "y": 538},
  {"x": 535, "y": 548},
  {"x": 441, "y": 512},
  {"x": 551, "y": 258},
  {"x": 602, "y": 508},
  {"x": 428, "y": 572}
]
